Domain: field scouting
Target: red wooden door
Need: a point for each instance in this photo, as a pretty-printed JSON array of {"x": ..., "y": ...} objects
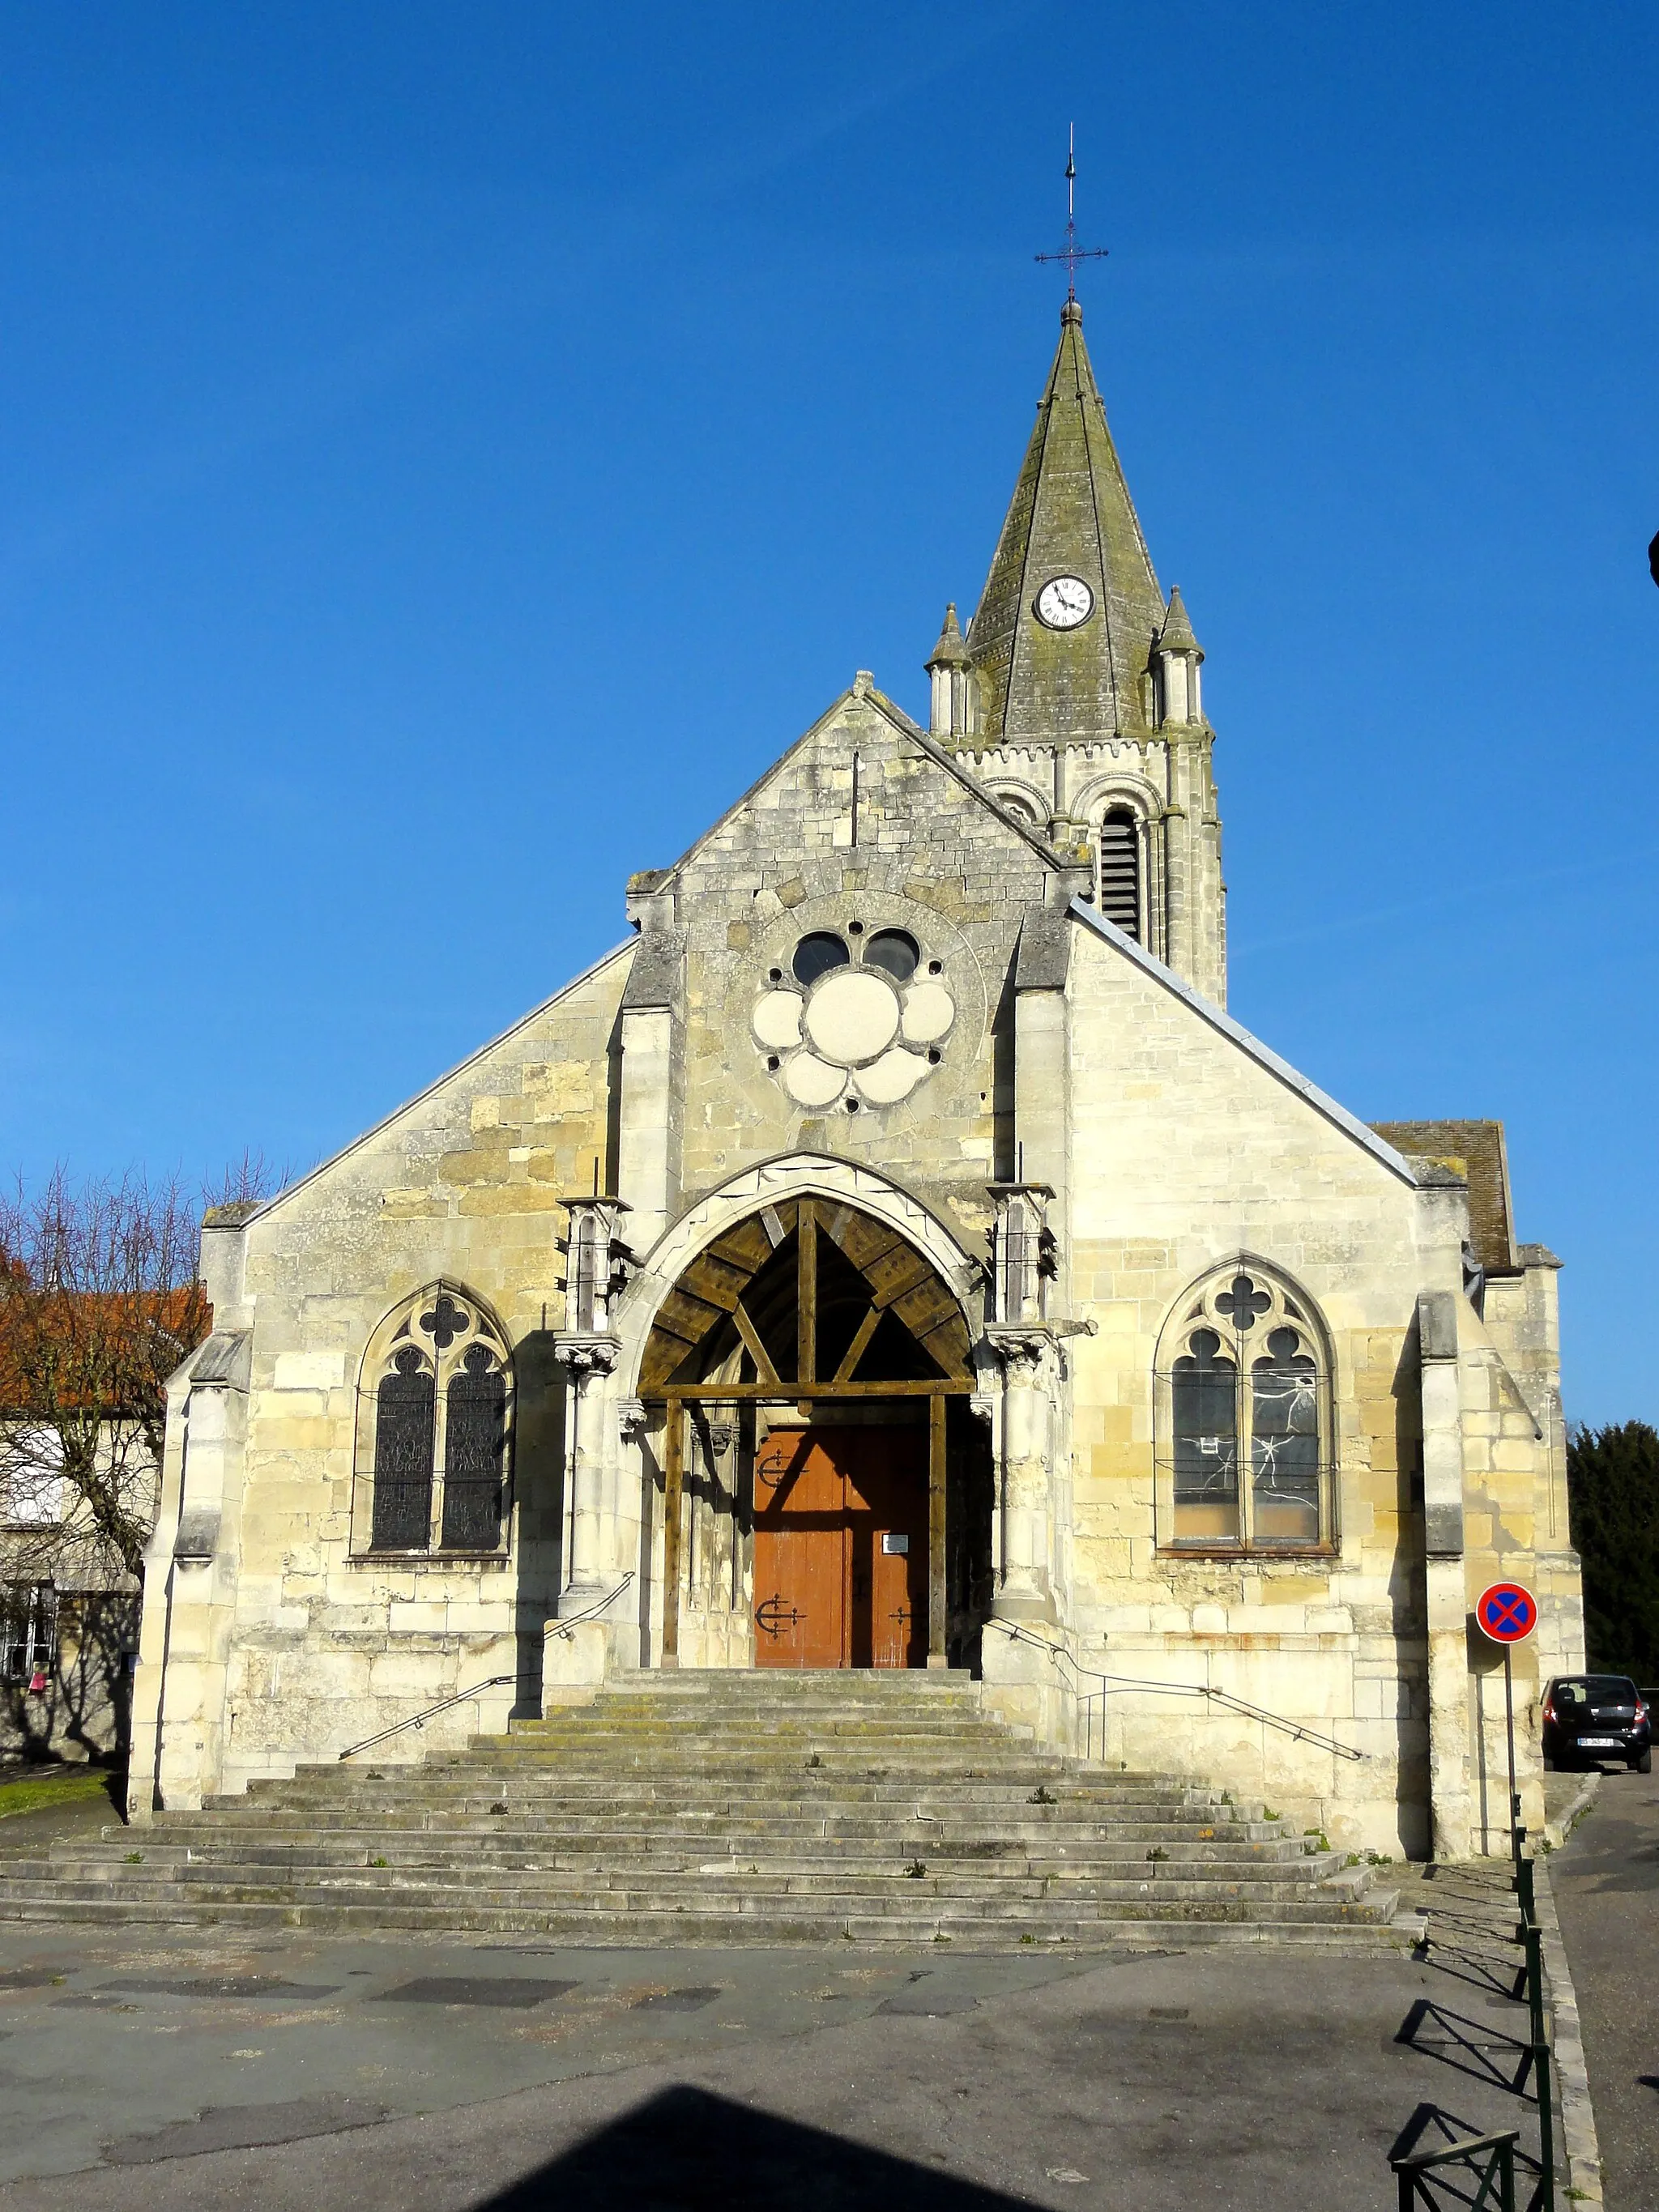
[
  {"x": 840, "y": 1548},
  {"x": 887, "y": 1483},
  {"x": 802, "y": 1553}
]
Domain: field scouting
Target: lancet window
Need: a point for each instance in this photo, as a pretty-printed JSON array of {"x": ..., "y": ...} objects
[
  {"x": 435, "y": 1422},
  {"x": 1245, "y": 1419}
]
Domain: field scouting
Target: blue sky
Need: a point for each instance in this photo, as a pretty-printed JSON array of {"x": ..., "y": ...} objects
[{"x": 446, "y": 453}]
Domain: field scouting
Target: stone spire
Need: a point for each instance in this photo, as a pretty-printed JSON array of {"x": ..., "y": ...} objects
[
  {"x": 1071, "y": 516},
  {"x": 947, "y": 667},
  {"x": 1176, "y": 635}
]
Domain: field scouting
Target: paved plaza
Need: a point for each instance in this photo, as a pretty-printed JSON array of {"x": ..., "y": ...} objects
[{"x": 149, "y": 2068}]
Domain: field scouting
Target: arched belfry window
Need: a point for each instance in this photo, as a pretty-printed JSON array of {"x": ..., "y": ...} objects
[
  {"x": 1119, "y": 869},
  {"x": 1244, "y": 1418},
  {"x": 434, "y": 1412}
]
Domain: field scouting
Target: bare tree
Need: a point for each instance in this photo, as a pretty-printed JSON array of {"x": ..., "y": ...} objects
[{"x": 99, "y": 1304}]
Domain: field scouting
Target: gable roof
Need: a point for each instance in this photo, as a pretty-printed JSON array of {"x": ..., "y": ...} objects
[
  {"x": 863, "y": 692},
  {"x": 1321, "y": 1101}
]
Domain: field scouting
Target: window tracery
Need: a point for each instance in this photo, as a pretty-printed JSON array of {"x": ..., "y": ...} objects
[
  {"x": 1245, "y": 1419},
  {"x": 854, "y": 1028},
  {"x": 434, "y": 1418}
]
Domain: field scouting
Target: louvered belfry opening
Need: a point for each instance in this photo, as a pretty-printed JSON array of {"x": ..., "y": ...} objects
[{"x": 1120, "y": 871}]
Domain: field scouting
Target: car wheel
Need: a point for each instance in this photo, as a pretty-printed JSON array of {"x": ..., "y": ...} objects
[{"x": 1643, "y": 1762}]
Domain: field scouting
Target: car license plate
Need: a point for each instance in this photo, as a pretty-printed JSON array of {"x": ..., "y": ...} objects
[{"x": 1600, "y": 1743}]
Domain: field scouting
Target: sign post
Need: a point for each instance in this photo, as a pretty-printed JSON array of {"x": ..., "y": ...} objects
[{"x": 1506, "y": 1613}]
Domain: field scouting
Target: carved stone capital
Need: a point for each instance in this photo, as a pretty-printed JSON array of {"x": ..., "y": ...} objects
[
  {"x": 632, "y": 1420},
  {"x": 584, "y": 1355},
  {"x": 1021, "y": 1346}
]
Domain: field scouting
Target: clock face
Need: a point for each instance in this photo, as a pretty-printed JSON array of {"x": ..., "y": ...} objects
[{"x": 1064, "y": 602}]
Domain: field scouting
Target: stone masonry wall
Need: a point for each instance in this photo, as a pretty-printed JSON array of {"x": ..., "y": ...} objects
[
  {"x": 465, "y": 1183},
  {"x": 1187, "y": 1153},
  {"x": 930, "y": 858}
]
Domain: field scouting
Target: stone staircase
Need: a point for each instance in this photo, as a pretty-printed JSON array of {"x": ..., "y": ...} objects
[{"x": 729, "y": 1808}]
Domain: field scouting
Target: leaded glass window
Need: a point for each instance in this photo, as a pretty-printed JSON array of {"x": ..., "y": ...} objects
[
  {"x": 1285, "y": 1442},
  {"x": 1206, "y": 1402},
  {"x": 1244, "y": 1407},
  {"x": 403, "y": 1439},
  {"x": 472, "y": 1457},
  {"x": 436, "y": 1427}
]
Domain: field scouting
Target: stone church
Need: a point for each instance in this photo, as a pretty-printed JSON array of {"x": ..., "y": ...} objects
[{"x": 893, "y": 1255}]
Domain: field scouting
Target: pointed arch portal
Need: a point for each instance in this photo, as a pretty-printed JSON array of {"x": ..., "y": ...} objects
[{"x": 811, "y": 1304}]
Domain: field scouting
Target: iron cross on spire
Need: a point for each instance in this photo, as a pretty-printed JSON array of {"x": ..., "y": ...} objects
[{"x": 1071, "y": 253}]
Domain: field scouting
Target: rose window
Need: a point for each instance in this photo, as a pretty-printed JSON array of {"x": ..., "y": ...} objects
[{"x": 859, "y": 1023}]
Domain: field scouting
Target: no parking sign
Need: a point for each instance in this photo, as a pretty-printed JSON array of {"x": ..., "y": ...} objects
[{"x": 1507, "y": 1612}]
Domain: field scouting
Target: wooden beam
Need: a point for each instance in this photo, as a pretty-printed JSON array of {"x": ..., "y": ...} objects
[
  {"x": 806, "y": 1294},
  {"x": 757, "y": 1352},
  {"x": 780, "y": 1394},
  {"x": 672, "y": 1442},
  {"x": 859, "y": 1346},
  {"x": 936, "y": 1561}
]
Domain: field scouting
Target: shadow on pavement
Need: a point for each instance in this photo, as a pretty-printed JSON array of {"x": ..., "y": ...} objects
[
  {"x": 693, "y": 2150},
  {"x": 1467, "y": 2044},
  {"x": 1470, "y": 1939}
]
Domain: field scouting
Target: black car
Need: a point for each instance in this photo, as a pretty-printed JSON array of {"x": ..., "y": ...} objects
[{"x": 1593, "y": 1716}]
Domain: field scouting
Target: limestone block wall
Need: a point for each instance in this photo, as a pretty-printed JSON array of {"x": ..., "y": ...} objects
[
  {"x": 1514, "y": 1527},
  {"x": 325, "y": 1645},
  {"x": 1188, "y": 1154},
  {"x": 924, "y": 855}
]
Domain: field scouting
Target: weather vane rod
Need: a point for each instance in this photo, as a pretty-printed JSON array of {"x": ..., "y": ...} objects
[{"x": 1071, "y": 253}]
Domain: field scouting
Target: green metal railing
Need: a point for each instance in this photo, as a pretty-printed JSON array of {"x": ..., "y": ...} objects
[
  {"x": 1493, "y": 2156},
  {"x": 1530, "y": 1935}
]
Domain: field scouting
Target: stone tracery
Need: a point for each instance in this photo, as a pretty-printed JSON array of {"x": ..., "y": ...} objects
[
  {"x": 433, "y": 1425},
  {"x": 863, "y": 1033}
]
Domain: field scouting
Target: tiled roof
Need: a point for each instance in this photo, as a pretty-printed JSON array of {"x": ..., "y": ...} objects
[{"x": 1474, "y": 1150}]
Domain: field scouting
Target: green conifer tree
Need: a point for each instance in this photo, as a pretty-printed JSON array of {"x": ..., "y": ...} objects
[{"x": 1612, "y": 1492}]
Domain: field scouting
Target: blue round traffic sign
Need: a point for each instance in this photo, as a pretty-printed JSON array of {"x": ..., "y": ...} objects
[{"x": 1506, "y": 1611}]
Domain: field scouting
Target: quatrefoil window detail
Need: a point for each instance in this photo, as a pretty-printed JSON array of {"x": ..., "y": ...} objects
[
  {"x": 1242, "y": 1303},
  {"x": 444, "y": 1320}
]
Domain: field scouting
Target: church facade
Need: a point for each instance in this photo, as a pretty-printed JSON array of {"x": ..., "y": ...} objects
[{"x": 893, "y": 1254}]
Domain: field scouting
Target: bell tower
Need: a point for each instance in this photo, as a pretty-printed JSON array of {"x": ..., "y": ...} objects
[{"x": 1075, "y": 694}]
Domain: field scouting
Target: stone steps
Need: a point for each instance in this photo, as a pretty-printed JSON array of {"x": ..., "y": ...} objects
[
  {"x": 1348, "y": 1926},
  {"x": 1108, "y": 1857},
  {"x": 736, "y": 1893},
  {"x": 729, "y": 1808}
]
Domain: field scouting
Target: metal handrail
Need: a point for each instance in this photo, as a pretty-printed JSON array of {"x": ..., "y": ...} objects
[
  {"x": 420, "y": 1720},
  {"x": 1297, "y": 1729},
  {"x": 459, "y": 1697},
  {"x": 1091, "y": 1701},
  {"x": 564, "y": 1627}
]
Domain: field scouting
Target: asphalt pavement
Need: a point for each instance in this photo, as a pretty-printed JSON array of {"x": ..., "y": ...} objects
[
  {"x": 1606, "y": 1881},
  {"x": 169, "y": 2068}
]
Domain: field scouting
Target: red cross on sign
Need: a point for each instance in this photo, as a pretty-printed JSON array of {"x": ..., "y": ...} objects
[{"x": 1506, "y": 1613}]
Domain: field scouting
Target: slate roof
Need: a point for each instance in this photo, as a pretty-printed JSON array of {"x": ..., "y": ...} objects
[{"x": 1071, "y": 514}]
